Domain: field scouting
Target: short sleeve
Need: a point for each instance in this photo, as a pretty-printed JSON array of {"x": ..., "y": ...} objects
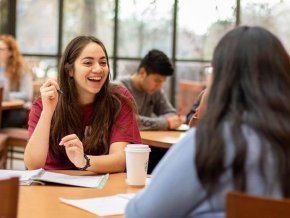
[
  {"x": 34, "y": 115},
  {"x": 125, "y": 128}
]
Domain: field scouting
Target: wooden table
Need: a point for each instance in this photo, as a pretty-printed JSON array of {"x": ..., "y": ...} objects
[
  {"x": 43, "y": 201},
  {"x": 12, "y": 104},
  {"x": 161, "y": 139}
]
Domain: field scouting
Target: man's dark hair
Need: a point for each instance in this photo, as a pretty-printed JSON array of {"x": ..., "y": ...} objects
[{"x": 157, "y": 62}]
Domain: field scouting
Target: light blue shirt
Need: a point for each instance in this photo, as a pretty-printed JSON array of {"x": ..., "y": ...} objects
[
  {"x": 4, "y": 83},
  {"x": 175, "y": 190},
  {"x": 25, "y": 91}
]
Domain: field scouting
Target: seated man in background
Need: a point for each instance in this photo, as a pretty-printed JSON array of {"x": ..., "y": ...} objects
[{"x": 155, "y": 110}]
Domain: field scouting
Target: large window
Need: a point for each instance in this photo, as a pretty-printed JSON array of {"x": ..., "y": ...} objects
[
  {"x": 37, "y": 26},
  {"x": 37, "y": 35},
  {"x": 271, "y": 14},
  {"x": 200, "y": 27},
  {"x": 187, "y": 31},
  {"x": 143, "y": 25},
  {"x": 4, "y": 16},
  {"x": 89, "y": 17}
]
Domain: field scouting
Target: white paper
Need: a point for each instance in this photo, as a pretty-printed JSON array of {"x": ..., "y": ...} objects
[
  {"x": 103, "y": 206},
  {"x": 183, "y": 127}
]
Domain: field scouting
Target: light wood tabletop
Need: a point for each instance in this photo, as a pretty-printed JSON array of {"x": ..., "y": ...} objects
[
  {"x": 12, "y": 104},
  {"x": 43, "y": 201},
  {"x": 161, "y": 139}
]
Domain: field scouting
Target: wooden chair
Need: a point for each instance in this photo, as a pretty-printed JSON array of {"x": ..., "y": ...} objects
[
  {"x": 3, "y": 139},
  {"x": 3, "y": 150},
  {"x": 240, "y": 205},
  {"x": 9, "y": 189},
  {"x": 187, "y": 94},
  {"x": 11, "y": 137},
  {"x": 17, "y": 138}
]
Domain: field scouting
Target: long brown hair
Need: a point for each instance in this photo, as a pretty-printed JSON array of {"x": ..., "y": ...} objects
[
  {"x": 15, "y": 65},
  {"x": 67, "y": 118},
  {"x": 251, "y": 87}
]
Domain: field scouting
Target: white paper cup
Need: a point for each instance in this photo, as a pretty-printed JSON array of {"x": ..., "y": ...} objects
[{"x": 137, "y": 156}]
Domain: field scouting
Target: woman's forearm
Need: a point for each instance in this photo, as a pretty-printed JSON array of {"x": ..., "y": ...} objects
[
  {"x": 38, "y": 145},
  {"x": 114, "y": 162},
  {"x": 111, "y": 163}
]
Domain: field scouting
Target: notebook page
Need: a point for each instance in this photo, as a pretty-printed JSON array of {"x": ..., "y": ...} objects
[
  {"x": 82, "y": 181},
  {"x": 25, "y": 176}
]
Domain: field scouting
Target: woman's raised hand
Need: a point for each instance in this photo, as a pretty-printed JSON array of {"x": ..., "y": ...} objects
[{"x": 49, "y": 95}]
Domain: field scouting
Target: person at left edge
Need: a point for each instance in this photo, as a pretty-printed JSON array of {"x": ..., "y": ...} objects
[
  {"x": 87, "y": 126},
  {"x": 17, "y": 81}
]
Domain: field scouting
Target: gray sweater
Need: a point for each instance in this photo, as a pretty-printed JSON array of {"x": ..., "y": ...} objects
[{"x": 153, "y": 109}]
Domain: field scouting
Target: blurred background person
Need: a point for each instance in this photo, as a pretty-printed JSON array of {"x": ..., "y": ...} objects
[
  {"x": 154, "y": 108},
  {"x": 18, "y": 81},
  {"x": 199, "y": 106}
]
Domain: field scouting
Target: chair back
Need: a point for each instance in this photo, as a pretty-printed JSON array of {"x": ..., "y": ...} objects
[
  {"x": 3, "y": 138},
  {"x": 240, "y": 205},
  {"x": 1, "y": 99},
  {"x": 188, "y": 94},
  {"x": 9, "y": 189}
]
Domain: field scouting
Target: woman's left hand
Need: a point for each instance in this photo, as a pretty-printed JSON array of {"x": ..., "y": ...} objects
[{"x": 74, "y": 149}]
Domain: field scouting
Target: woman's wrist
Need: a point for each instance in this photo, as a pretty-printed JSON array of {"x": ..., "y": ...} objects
[
  {"x": 86, "y": 163},
  {"x": 47, "y": 113}
]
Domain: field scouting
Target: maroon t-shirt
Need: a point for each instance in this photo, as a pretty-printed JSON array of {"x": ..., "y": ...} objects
[{"x": 125, "y": 128}]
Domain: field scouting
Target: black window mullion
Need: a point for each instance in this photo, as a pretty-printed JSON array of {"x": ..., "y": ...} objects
[
  {"x": 60, "y": 30},
  {"x": 12, "y": 17},
  {"x": 174, "y": 37},
  {"x": 115, "y": 41}
]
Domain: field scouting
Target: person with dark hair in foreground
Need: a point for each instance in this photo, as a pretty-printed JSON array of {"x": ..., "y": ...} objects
[{"x": 241, "y": 142}]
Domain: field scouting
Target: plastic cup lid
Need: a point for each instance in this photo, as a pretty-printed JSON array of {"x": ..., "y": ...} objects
[{"x": 137, "y": 146}]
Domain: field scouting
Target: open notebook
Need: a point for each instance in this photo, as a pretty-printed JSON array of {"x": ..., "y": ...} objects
[{"x": 27, "y": 177}]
